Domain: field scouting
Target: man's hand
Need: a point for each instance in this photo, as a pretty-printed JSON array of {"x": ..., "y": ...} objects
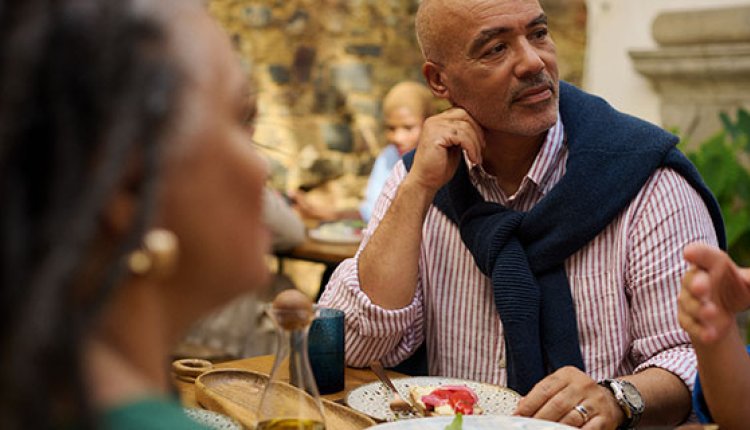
[
  {"x": 441, "y": 142},
  {"x": 713, "y": 290},
  {"x": 555, "y": 398}
]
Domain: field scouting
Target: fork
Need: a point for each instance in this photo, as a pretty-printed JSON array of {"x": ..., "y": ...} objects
[{"x": 397, "y": 403}]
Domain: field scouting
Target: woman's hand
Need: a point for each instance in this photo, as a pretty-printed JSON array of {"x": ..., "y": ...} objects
[{"x": 713, "y": 291}]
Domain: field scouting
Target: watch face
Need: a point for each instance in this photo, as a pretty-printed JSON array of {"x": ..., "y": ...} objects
[{"x": 632, "y": 396}]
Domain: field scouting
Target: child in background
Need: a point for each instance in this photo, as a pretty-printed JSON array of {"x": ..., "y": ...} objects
[{"x": 405, "y": 108}]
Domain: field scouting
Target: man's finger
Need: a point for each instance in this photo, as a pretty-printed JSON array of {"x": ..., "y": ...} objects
[
  {"x": 477, "y": 130},
  {"x": 556, "y": 408},
  {"x": 596, "y": 423},
  {"x": 539, "y": 395},
  {"x": 574, "y": 419}
]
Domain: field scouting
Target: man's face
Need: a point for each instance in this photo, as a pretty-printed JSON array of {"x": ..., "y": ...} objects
[{"x": 503, "y": 70}]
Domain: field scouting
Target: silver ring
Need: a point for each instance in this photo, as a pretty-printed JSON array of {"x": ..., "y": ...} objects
[{"x": 582, "y": 410}]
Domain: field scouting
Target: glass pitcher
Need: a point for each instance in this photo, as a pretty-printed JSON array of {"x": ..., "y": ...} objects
[{"x": 294, "y": 405}]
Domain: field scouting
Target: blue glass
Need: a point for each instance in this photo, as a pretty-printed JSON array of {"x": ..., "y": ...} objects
[{"x": 325, "y": 346}]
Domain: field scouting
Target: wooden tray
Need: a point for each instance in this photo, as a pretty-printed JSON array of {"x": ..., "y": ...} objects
[{"x": 237, "y": 393}]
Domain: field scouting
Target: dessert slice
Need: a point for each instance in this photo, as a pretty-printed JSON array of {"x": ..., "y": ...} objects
[{"x": 445, "y": 400}]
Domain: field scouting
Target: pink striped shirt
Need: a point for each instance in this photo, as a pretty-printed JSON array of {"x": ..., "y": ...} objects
[{"x": 624, "y": 284}]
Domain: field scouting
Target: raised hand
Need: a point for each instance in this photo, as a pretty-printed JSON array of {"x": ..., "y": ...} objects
[
  {"x": 444, "y": 137},
  {"x": 713, "y": 291}
]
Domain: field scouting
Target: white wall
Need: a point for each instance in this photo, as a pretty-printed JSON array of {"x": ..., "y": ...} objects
[{"x": 614, "y": 28}]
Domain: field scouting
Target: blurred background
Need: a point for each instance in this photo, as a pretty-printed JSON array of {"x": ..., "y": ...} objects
[{"x": 324, "y": 65}]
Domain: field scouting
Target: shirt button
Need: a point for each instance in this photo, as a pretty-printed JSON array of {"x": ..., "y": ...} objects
[{"x": 501, "y": 363}]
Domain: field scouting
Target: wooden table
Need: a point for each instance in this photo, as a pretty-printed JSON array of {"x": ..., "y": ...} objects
[
  {"x": 320, "y": 252},
  {"x": 353, "y": 378}
]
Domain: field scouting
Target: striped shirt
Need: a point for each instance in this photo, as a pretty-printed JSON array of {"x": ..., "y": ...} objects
[{"x": 624, "y": 284}]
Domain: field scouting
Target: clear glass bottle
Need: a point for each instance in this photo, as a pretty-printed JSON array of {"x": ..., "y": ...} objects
[{"x": 293, "y": 405}]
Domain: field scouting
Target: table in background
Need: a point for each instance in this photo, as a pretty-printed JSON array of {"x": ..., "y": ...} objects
[
  {"x": 353, "y": 378},
  {"x": 327, "y": 253},
  {"x": 319, "y": 252}
]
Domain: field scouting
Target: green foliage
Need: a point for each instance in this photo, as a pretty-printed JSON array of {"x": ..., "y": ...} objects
[{"x": 720, "y": 162}]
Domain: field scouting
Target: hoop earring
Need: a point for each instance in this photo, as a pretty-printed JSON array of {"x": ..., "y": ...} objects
[{"x": 157, "y": 256}]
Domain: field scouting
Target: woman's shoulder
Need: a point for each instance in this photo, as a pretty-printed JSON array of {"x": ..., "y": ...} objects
[{"x": 149, "y": 413}]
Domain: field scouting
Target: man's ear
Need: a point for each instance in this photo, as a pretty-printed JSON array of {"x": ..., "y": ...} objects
[{"x": 434, "y": 76}]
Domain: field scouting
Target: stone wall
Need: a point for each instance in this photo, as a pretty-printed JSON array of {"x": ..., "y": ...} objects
[{"x": 322, "y": 67}]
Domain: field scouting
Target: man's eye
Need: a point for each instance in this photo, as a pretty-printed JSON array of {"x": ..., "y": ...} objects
[
  {"x": 497, "y": 49},
  {"x": 541, "y": 34}
]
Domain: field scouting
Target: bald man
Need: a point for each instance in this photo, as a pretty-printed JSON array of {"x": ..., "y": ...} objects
[{"x": 534, "y": 239}]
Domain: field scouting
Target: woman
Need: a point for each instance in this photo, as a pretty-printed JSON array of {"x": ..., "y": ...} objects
[
  {"x": 132, "y": 204},
  {"x": 405, "y": 107}
]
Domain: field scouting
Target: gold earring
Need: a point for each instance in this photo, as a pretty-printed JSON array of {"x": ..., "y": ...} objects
[{"x": 157, "y": 256}]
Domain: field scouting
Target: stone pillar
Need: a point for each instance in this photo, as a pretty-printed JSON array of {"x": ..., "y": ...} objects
[{"x": 700, "y": 68}]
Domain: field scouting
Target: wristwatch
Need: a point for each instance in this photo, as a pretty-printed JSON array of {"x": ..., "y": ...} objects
[{"x": 628, "y": 398}]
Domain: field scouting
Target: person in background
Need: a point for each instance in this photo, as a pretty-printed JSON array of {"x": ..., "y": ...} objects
[
  {"x": 405, "y": 107},
  {"x": 132, "y": 205},
  {"x": 534, "y": 239},
  {"x": 713, "y": 291},
  {"x": 287, "y": 228}
]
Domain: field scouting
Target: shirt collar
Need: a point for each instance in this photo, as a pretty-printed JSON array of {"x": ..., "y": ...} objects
[{"x": 543, "y": 165}]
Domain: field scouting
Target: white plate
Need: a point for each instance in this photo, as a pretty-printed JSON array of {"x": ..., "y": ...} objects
[
  {"x": 337, "y": 232},
  {"x": 372, "y": 399},
  {"x": 212, "y": 420},
  {"x": 474, "y": 422}
]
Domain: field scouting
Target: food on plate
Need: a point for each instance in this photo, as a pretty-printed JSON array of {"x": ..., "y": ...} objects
[
  {"x": 457, "y": 423},
  {"x": 445, "y": 400}
]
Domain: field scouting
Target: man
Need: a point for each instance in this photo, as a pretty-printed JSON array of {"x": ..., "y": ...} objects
[{"x": 525, "y": 245}]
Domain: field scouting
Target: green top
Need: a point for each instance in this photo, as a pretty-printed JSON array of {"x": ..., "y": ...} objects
[{"x": 149, "y": 413}]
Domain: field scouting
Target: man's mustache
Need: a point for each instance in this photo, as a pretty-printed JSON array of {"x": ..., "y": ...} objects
[{"x": 538, "y": 80}]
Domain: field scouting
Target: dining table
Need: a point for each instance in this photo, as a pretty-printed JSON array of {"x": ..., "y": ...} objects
[
  {"x": 316, "y": 251},
  {"x": 353, "y": 378}
]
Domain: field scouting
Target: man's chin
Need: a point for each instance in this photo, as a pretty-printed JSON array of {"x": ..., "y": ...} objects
[{"x": 539, "y": 119}]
